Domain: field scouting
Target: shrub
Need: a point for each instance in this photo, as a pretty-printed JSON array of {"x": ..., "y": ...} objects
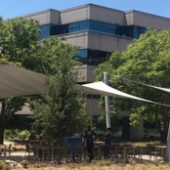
[
  {"x": 23, "y": 135},
  {"x": 6, "y": 167},
  {"x": 17, "y": 134},
  {"x": 1, "y": 164}
]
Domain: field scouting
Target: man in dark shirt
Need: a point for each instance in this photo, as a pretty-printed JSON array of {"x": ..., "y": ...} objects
[
  {"x": 108, "y": 142},
  {"x": 89, "y": 139}
]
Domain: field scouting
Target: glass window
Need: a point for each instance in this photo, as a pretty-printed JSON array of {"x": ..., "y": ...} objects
[
  {"x": 96, "y": 57},
  {"x": 44, "y": 31},
  {"x": 94, "y": 25},
  {"x": 129, "y": 31},
  {"x": 84, "y": 25},
  {"x": 92, "y": 57},
  {"x": 73, "y": 27},
  {"x": 82, "y": 55}
]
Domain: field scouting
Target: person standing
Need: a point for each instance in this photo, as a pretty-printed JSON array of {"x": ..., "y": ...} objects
[
  {"x": 89, "y": 139},
  {"x": 107, "y": 143}
]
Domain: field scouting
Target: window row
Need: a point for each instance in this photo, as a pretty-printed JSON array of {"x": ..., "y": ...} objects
[
  {"x": 129, "y": 31},
  {"x": 92, "y": 57}
]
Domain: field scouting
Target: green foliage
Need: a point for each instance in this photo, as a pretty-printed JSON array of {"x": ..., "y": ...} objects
[
  {"x": 18, "y": 40},
  {"x": 52, "y": 56},
  {"x": 58, "y": 111},
  {"x": 17, "y": 134},
  {"x": 58, "y": 108},
  {"x": 1, "y": 164},
  {"x": 146, "y": 60},
  {"x": 24, "y": 135}
]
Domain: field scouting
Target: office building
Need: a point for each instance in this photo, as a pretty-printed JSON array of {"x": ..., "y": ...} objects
[{"x": 97, "y": 31}]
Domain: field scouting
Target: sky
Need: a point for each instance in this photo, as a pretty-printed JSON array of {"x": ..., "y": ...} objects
[{"x": 13, "y": 8}]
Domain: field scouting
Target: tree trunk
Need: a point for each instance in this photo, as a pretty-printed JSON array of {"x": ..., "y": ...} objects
[
  {"x": 165, "y": 129},
  {"x": 1, "y": 134},
  {"x": 125, "y": 128}
]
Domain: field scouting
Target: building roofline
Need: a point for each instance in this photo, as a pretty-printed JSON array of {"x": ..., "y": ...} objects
[
  {"x": 88, "y": 5},
  {"x": 40, "y": 12},
  {"x": 155, "y": 15}
]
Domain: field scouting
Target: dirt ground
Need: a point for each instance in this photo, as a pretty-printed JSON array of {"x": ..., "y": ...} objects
[{"x": 104, "y": 167}]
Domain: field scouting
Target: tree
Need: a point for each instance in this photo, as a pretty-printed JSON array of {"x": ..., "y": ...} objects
[
  {"x": 146, "y": 60},
  {"x": 18, "y": 39},
  {"x": 20, "y": 44},
  {"x": 58, "y": 112}
]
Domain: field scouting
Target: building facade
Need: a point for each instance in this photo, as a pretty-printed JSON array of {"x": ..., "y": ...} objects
[
  {"x": 97, "y": 31},
  {"x": 91, "y": 26}
]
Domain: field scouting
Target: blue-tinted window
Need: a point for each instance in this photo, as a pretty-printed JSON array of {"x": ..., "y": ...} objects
[
  {"x": 94, "y": 25},
  {"x": 48, "y": 29},
  {"x": 84, "y": 25},
  {"x": 96, "y": 57},
  {"x": 102, "y": 27},
  {"x": 131, "y": 31},
  {"x": 44, "y": 31},
  {"x": 74, "y": 27},
  {"x": 92, "y": 57},
  {"x": 88, "y": 25},
  {"x": 82, "y": 55}
]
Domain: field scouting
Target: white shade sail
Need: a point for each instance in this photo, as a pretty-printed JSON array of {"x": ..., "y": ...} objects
[
  {"x": 17, "y": 81},
  {"x": 101, "y": 88}
]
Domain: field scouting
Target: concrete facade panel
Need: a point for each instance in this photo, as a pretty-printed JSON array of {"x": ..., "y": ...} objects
[
  {"x": 107, "y": 15},
  {"x": 43, "y": 18},
  {"x": 149, "y": 20},
  {"x": 46, "y": 17},
  {"x": 129, "y": 19},
  {"x": 77, "y": 14},
  {"x": 55, "y": 17},
  {"x": 79, "y": 39},
  {"x": 93, "y": 107},
  {"x": 104, "y": 42},
  {"x": 85, "y": 73}
]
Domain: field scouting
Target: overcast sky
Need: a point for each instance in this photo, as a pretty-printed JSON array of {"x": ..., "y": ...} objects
[{"x": 13, "y": 8}]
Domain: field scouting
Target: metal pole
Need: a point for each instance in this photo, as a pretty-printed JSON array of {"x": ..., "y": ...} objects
[{"x": 107, "y": 108}]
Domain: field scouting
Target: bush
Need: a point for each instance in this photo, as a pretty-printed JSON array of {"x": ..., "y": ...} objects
[
  {"x": 23, "y": 135},
  {"x": 1, "y": 165},
  {"x": 17, "y": 134},
  {"x": 6, "y": 167}
]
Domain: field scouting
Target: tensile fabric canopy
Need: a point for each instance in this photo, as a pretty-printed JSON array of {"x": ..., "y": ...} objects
[
  {"x": 101, "y": 88},
  {"x": 17, "y": 81}
]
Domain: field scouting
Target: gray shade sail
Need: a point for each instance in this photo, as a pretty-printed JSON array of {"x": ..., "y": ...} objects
[
  {"x": 17, "y": 81},
  {"x": 101, "y": 88}
]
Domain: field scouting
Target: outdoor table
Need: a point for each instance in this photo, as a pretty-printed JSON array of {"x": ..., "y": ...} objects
[{"x": 160, "y": 148}]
